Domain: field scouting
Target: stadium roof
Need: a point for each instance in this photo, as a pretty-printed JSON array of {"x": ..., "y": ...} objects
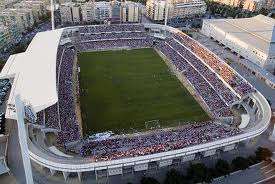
[
  {"x": 257, "y": 31},
  {"x": 34, "y": 72}
]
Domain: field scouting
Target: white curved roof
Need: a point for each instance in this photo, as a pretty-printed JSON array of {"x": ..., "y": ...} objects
[{"x": 34, "y": 72}]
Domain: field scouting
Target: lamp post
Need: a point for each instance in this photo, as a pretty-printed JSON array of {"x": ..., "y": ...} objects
[
  {"x": 166, "y": 12},
  {"x": 52, "y": 14}
]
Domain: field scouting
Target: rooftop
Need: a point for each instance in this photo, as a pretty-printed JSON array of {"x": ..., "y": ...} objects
[
  {"x": 34, "y": 72},
  {"x": 256, "y": 31}
]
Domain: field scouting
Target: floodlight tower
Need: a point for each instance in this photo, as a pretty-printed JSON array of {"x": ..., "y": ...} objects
[
  {"x": 23, "y": 137},
  {"x": 166, "y": 11},
  {"x": 52, "y": 14}
]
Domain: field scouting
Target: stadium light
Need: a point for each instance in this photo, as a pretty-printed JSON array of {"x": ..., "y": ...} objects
[
  {"x": 52, "y": 14},
  {"x": 166, "y": 12}
]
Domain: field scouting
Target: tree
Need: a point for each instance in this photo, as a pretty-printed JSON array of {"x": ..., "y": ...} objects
[
  {"x": 173, "y": 177},
  {"x": 19, "y": 48},
  {"x": 263, "y": 11},
  {"x": 252, "y": 160},
  {"x": 2, "y": 63},
  {"x": 199, "y": 173},
  {"x": 222, "y": 168},
  {"x": 240, "y": 163},
  {"x": 263, "y": 154},
  {"x": 149, "y": 180}
]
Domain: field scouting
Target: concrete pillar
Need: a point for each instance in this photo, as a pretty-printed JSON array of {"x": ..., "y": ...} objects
[
  {"x": 259, "y": 115},
  {"x": 209, "y": 152},
  {"x": 238, "y": 106},
  {"x": 22, "y": 136},
  {"x": 256, "y": 111},
  {"x": 248, "y": 101},
  {"x": 141, "y": 167},
  {"x": 79, "y": 174},
  {"x": 43, "y": 135},
  {"x": 44, "y": 117},
  {"x": 65, "y": 175},
  {"x": 115, "y": 171},
  {"x": 101, "y": 173},
  {"x": 55, "y": 133},
  {"x": 127, "y": 170},
  {"x": 272, "y": 136},
  {"x": 165, "y": 163},
  {"x": 41, "y": 166},
  {"x": 229, "y": 147},
  {"x": 52, "y": 172},
  {"x": 187, "y": 158}
]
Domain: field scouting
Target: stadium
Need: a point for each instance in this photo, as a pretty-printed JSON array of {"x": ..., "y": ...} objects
[{"x": 115, "y": 99}]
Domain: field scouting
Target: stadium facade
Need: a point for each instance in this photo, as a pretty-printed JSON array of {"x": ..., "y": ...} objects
[
  {"x": 40, "y": 97},
  {"x": 255, "y": 43}
]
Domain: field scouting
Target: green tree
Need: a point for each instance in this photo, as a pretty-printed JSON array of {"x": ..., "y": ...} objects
[
  {"x": 222, "y": 168},
  {"x": 149, "y": 180},
  {"x": 252, "y": 160},
  {"x": 263, "y": 154},
  {"x": 199, "y": 173},
  {"x": 173, "y": 177},
  {"x": 263, "y": 11},
  {"x": 2, "y": 63},
  {"x": 240, "y": 163}
]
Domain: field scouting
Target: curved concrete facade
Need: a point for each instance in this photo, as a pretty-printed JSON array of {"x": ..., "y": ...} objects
[{"x": 81, "y": 165}]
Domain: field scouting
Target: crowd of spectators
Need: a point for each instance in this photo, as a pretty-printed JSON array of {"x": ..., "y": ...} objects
[
  {"x": 214, "y": 81},
  {"x": 69, "y": 127},
  {"x": 113, "y": 36},
  {"x": 156, "y": 141},
  {"x": 198, "y": 67},
  {"x": 5, "y": 86},
  {"x": 104, "y": 37},
  {"x": 62, "y": 116},
  {"x": 239, "y": 84},
  {"x": 112, "y": 28},
  {"x": 115, "y": 44},
  {"x": 194, "y": 76}
]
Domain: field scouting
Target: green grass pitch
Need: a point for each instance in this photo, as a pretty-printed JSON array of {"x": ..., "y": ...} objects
[{"x": 124, "y": 89}]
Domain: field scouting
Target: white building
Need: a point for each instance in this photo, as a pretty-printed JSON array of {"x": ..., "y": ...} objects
[
  {"x": 22, "y": 17},
  {"x": 130, "y": 12},
  {"x": 5, "y": 3},
  {"x": 251, "y": 5},
  {"x": 37, "y": 7},
  {"x": 186, "y": 8},
  {"x": 156, "y": 9},
  {"x": 88, "y": 11},
  {"x": 92, "y": 11},
  {"x": 115, "y": 10},
  {"x": 103, "y": 10},
  {"x": 252, "y": 38},
  {"x": 64, "y": 1},
  {"x": 254, "y": 5},
  {"x": 76, "y": 14},
  {"x": 6, "y": 38},
  {"x": 66, "y": 14}
]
